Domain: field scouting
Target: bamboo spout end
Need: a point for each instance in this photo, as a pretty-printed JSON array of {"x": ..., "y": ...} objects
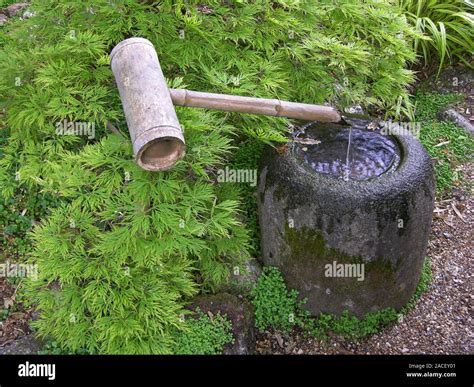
[{"x": 161, "y": 154}]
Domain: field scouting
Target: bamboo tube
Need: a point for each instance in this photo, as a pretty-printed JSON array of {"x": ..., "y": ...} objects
[
  {"x": 240, "y": 104},
  {"x": 157, "y": 137}
]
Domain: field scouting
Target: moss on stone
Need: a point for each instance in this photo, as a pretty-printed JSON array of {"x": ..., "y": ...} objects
[{"x": 309, "y": 246}]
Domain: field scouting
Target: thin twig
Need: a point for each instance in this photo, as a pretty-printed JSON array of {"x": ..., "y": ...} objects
[{"x": 114, "y": 130}]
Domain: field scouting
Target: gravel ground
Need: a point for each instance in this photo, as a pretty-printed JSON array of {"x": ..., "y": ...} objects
[{"x": 441, "y": 322}]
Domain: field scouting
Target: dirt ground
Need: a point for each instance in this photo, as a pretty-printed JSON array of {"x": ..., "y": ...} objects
[{"x": 15, "y": 326}]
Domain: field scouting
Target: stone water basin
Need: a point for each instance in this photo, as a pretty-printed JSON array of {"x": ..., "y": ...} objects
[{"x": 345, "y": 214}]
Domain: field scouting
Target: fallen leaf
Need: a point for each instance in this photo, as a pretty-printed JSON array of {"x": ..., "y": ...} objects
[
  {"x": 282, "y": 149},
  {"x": 458, "y": 213},
  {"x": 279, "y": 340},
  {"x": 17, "y": 315},
  {"x": 307, "y": 141},
  {"x": 8, "y": 302}
]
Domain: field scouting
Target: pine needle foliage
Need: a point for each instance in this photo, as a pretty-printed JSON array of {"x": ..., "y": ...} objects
[{"x": 124, "y": 250}]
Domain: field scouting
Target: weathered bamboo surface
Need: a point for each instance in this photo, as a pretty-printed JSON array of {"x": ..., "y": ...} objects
[
  {"x": 156, "y": 134},
  {"x": 240, "y": 104}
]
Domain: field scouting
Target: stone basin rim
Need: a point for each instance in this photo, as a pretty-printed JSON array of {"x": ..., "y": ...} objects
[{"x": 414, "y": 163}]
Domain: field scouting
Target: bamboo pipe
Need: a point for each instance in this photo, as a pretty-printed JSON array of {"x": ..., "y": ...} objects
[
  {"x": 157, "y": 138},
  {"x": 148, "y": 104},
  {"x": 240, "y": 104}
]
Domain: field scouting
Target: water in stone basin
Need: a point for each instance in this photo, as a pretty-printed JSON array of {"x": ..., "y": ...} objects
[{"x": 356, "y": 151}]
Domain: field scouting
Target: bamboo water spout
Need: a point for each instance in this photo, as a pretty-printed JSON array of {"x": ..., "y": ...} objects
[
  {"x": 157, "y": 137},
  {"x": 263, "y": 106}
]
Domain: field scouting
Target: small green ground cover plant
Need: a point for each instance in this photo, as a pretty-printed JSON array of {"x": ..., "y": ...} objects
[
  {"x": 275, "y": 305},
  {"x": 204, "y": 335},
  {"x": 279, "y": 308},
  {"x": 6, "y": 3},
  {"x": 18, "y": 212},
  {"x": 53, "y": 348},
  {"x": 4, "y": 314}
]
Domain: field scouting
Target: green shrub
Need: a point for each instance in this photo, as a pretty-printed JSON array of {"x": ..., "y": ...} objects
[
  {"x": 203, "y": 335},
  {"x": 446, "y": 29},
  {"x": 124, "y": 250},
  {"x": 247, "y": 156},
  {"x": 117, "y": 264}
]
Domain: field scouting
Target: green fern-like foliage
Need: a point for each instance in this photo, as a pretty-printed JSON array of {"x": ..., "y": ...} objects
[
  {"x": 118, "y": 261},
  {"x": 124, "y": 250}
]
